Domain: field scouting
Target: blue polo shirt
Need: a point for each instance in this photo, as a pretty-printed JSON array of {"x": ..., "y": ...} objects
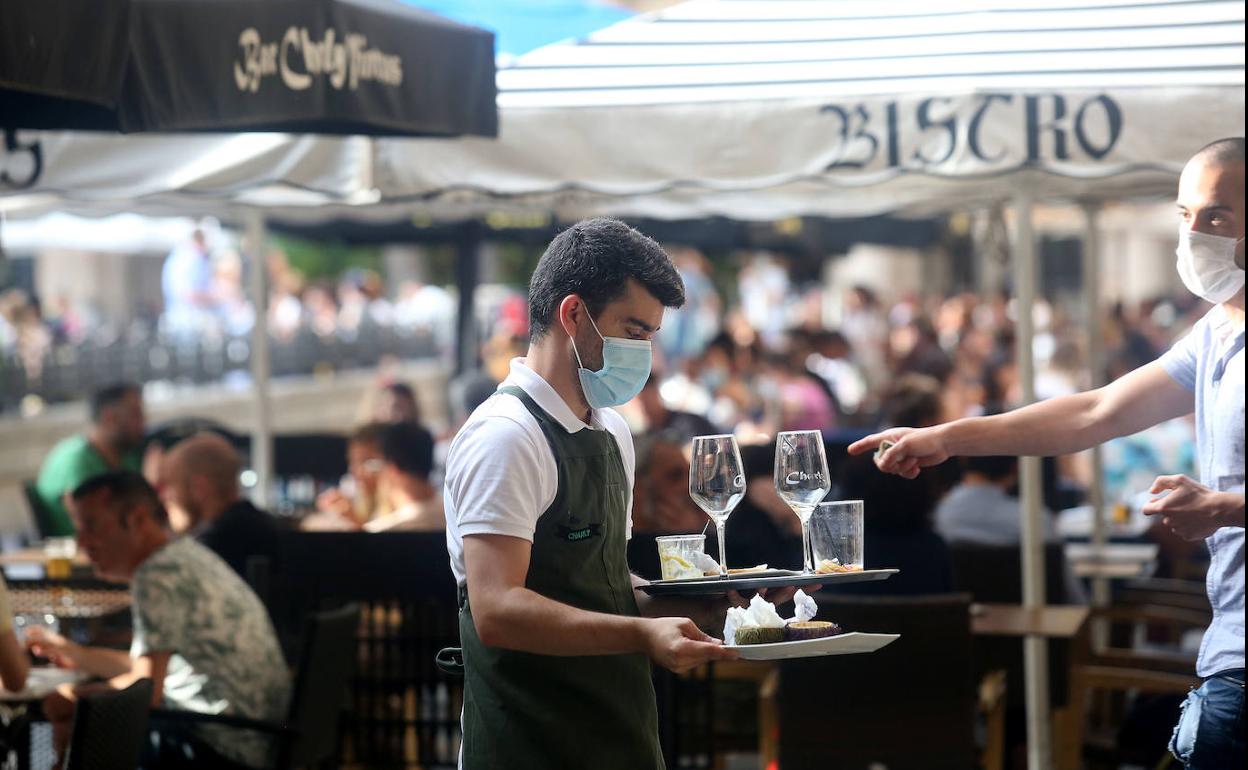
[{"x": 1209, "y": 361}]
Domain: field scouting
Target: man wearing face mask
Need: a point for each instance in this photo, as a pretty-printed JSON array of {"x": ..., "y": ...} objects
[
  {"x": 1204, "y": 372},
  {"x": 556, "y": 642}
]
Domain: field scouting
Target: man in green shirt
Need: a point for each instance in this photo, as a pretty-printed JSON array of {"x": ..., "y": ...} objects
[{"x": 112, "y": 443}]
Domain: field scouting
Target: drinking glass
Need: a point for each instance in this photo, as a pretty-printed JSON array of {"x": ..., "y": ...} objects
[
  {"x": 836, "y": 536},
  {"x": 678, "y": 555},
  {"x": 717, "y": 483},
  {"x": 802, "y": 479},
  {"x": 58, "y": 557}
]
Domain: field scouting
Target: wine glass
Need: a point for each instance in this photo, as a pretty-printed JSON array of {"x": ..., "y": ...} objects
[
  {"x": 802, "y": 479},
  {"x": 717, "y": 482}
]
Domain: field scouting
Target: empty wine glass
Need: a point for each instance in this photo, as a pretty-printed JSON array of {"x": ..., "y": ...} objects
[
  {"x": 802, "y": 479},
  {"x": 717, "y": 483}
]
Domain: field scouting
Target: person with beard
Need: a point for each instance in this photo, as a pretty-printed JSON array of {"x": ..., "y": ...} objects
[
  {"x": 113, "y": 442},
  {"x": 1202, "y": 373},
  {"x": 557, "y": 640},
  {"x": 201, "y": 479}
]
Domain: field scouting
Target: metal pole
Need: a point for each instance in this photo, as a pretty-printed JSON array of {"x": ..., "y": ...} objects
[
  {"x": 1096, "y": 365},
  {"x": 467, "y": 276},
  {"x": 1035, "y": 648},
  {"x": 261, "y": 370}
]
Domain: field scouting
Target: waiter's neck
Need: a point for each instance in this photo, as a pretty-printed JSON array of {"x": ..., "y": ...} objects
[
  {"x": 550, "y": 359},
  {"x": 1234, "y": 309}
]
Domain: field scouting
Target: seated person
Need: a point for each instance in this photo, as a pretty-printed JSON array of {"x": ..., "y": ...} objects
[
  {"x": 14, "y": 662},
  {"x": 897, "y": 531},
  {"x": 200, "y": 477},
  {"x": 407, "y": 460},
  {"x": 396, "y": 402},
  {"x": 113, "y": 442},
  {"x": 981, "y": 509},
  {"x": 358, "y": 498},
  {"x": 661, "y": 502},
  {"x": 200, "y": 634},
  {"x": 660, "y": 419}
]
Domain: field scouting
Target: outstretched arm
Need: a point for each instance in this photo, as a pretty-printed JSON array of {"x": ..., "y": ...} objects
[{"x": 1138, "y": 400}]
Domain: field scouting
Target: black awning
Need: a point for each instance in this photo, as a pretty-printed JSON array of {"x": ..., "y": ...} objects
[{"x": 372, "y": 67}]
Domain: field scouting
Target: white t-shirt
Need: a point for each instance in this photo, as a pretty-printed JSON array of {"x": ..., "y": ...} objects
[{"x": 500, "y": 472}]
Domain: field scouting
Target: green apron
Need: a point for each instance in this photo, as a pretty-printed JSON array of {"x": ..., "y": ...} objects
[{"x": 523, "y": 710}]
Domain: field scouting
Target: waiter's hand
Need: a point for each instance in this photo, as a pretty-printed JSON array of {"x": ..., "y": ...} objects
[
  {"x": 678, "y": 644},
  {"x": 1193, "y": 511},
  {"x": 911, "y": 450}
]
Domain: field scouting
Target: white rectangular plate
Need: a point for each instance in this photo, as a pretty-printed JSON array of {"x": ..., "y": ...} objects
[{"x": 851, "y": 643}]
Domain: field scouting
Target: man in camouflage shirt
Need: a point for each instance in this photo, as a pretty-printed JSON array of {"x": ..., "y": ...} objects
[{"x": 200, "y": 633}]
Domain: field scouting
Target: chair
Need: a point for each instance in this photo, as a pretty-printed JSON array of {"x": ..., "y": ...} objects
[
  {"x": 995, "y": 573},
  {"x": 39, "y": 512},
  {"x": 309, "y": 735},
  {"x": 109, "y": 729},
  {"x": 911, "y": 705}
]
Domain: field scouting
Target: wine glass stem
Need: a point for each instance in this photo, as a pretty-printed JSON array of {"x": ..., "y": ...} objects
[
  {"x": 806, "y": 558},
  {"x": 723, "y": 559}
]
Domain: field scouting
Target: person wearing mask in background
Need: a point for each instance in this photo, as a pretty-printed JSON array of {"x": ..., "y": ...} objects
[
  {"x": 358, "y": 498},
  {"x": 201, "y": 478},
  {"x": 660, "y": 419},
  {"x": 1204, "y": 372},
  {"x": 557, "y": 644},
  {"x": 113, "y": 442},
  {"x": 407, "y": 461}
]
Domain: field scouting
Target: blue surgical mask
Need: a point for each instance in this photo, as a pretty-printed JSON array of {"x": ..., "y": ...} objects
[{"x": 625, "y": 369}]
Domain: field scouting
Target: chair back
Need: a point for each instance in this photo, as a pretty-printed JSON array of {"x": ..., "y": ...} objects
[
  {"x": 909, "y": 705},
  {"x": 992, "y": 573},
  {"x": 326, "y": 663},
  {"x": 109, "y": 729},
  {"x": 40, "y": 515}
]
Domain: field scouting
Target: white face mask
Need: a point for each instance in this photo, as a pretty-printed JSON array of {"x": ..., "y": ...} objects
[{"x": 1207, "y": 265}]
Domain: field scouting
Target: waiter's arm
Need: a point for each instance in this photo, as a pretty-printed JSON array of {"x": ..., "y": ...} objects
[
  {"x": 1058, "y": 426},
  {"x": 509, "y": 615}
]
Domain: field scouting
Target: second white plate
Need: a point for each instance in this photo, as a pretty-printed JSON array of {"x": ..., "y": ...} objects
[{"x": 842, "y": 644}]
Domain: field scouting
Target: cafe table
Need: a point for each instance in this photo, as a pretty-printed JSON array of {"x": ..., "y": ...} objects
[{"x": 1063, "y": 625}]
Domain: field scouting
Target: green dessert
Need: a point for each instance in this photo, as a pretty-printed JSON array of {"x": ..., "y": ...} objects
[
  {"x": 811, "y": 629},
  {"x": 759, "y": 635}
]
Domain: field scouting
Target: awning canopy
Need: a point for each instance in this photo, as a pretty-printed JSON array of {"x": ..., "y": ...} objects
[
  {"x": 762, "y": 109},
  {"x": 372, "y": 67}
]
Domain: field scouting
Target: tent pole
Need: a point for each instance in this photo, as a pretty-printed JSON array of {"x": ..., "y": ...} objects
[
  {"x": 261, "y": 370},
  {"x": 1096, "y": 365},
  {"x": 467, "y": 276},
  {"x": 1035, "y": 647}
]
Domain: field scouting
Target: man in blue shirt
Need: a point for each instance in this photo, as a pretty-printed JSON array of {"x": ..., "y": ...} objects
[{"x": 1203, "y": 372}]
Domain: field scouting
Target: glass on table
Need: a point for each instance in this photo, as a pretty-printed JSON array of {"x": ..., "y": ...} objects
[
  {"x": 836, "y": 536},
  {"x": 717, "y": 483},
  {"x": 58, "y": 557},
  {"x": 802, "y": 479},
  {"x": 678, "y": 555}
]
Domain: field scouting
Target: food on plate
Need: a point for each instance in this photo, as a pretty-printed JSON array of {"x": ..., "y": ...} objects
[
  {"x": 759, "y": 635},
  {"x": 810, "y": 629},
  {"x": 834, "y": 566},
  {"x": 747, "y": 570}
]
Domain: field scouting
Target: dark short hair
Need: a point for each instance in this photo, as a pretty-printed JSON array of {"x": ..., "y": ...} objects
[
  {"x": 368, "y": 433},
  {"x": 996, "y": 468},
  {"x": 594, "y": 259},
  {"x": 912, "y": 400},
  {"x": 408, "y": 447},
  {"x": 127, "y": 490},
  {"x": 109, "y": 396},
  {"x": 1223, "y": 151}
]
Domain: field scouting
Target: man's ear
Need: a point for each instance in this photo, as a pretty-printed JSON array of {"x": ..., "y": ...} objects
[{"x": 568, "y": 314}]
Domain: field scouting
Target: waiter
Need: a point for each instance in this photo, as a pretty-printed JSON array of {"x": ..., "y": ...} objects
[
  {"x": 557, "y": 647},
  {"x": 1204, "y": 371}
]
